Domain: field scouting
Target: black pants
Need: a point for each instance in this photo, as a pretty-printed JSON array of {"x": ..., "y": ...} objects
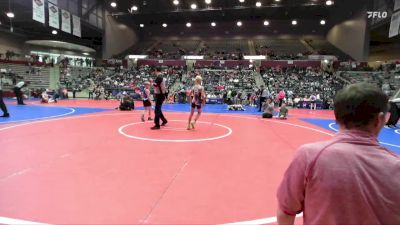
[
  {"x": 262, "y": 99},
  {"x": 267, "y": 115},
  {"x": 18, "y": 94},
  {"x": 158, "y": 111},
  {"x": 90, "y": 95},
  {"x": 2, "y": 105},
  {"x": 394, "y": 114},
  {"x": 280, "y": 102}
]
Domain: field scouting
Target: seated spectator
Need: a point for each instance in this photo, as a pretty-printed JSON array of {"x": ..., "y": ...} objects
[
  {"x": 127, "y": 103},
  {"x": 283, "y": 112},
  {"x": 268, "y": 108},
  {"x": 313, "y": 102},
  {"x": 350, "y": 179}
]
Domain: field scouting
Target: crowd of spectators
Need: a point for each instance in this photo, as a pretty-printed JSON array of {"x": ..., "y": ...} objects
[
  {"x": 389, "y": 81},
  {"x": 301, "y": 84},
  {"x": 232, "y": 86},
  {"x": 105, "y": 83}
]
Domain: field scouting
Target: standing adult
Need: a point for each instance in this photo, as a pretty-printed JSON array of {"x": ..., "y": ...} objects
[
  {"x": 350, "y": 179},
  {"x": 18, "y": 92},
  {"x": 263, "y": 95},
  {"x": 159, "y": 95},
  {"x": 281, "y": 97},
  {"x": 91, "y": 89},
  {"x": 2, "y": 105}
]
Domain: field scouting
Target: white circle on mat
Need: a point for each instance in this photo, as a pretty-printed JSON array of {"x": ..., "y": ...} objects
[{"x": 229, "y": 132}]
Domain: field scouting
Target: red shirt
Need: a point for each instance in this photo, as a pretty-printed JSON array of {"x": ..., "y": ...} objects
[{"x": 350, "y": 179}]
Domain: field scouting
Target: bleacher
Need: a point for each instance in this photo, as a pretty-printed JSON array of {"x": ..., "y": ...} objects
[
  {"x": 214, "y": 81},
  {"x": 323, "y": 47},
  {"x": 173, "y": 46},
  {"x": 281, "y": 47},
  {"x": 228, "y": 46},
  {"x": 276, "y": 48},
  {"x": 138, "y": 49},
  {"x": 39, "y": 77},
  {"x": 302, "y": 82},
  {"x": 388, "y": 81}
]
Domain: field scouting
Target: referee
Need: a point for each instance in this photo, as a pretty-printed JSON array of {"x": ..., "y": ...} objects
[
  {"x": 18, "y": 92},
  {"x": 2, "y": 105},
  {"x": 159, "y": 92},
  {"x": 264, "y": 94}
]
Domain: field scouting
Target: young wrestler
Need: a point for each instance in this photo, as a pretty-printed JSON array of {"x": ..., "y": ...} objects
[
  {"x": 46, "y": 98},
  {"x": 146, "y": 101},
  {"x": 198, "y": 99},
  {"x": 283, "y": 112}
]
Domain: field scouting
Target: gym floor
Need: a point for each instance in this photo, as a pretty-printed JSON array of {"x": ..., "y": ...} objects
[{"x": 82, "y": 162}]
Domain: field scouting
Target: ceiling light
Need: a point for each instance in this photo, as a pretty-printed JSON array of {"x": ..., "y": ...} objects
[
  {"x": 176, "y": 2},
  {"x": 241, "y": 1},
  {"x": 142, "y": 25},
  {"x": 10, "y": 14},
  {"x": 188, "y": 24},
  {"x": 294, "y": 22},
  {"x": 239, "y": 23},
  {"x": 113, "y": 4},
  {"x": 329, "y": 2},
  {"x": 323, "y": 22},
  {"x": 266, "y": 23},
  {"x": 277, "y": 0},
  {"x": 213, "y": 24},
  {"x": 164, "y": 25},
  {"x": 258, "y": 4},
  {"x": 193, "y": 6},
  {"x": 85, "y": 53},
  {"x": 208, "y": 1},
  {"x": 134, "y": 8},
  {"x": 54, "y": 32}
]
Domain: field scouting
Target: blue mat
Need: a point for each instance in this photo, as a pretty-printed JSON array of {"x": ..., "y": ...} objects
[
  {"x": 21, "y": 113},
  {"x": 217, "y": 108},
  {"x": 388, "y": 137}
]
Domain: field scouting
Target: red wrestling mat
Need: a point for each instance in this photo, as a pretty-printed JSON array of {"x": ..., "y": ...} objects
[
  {"x": 108, "y": 104},
  {"x": 89, "y": 170}
]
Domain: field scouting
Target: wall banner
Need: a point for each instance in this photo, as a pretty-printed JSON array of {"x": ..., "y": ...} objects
[
  {"x": 65, "y": 21},
  {"x": 76, "y": 26},
  {"x": 38, "y": 11},
  {"x": 54, "y": 16}
]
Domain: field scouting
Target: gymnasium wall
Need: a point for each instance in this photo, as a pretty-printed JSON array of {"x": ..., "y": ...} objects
[
  {"x": 117, "y": 37},
  {"x": 352, "y": 36},
  {"x": 9, "y": 42},
  {"x": 228, "y": 30}
]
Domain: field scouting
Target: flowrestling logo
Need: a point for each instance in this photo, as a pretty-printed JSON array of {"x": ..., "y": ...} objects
[{"x": 376, "y": 14}]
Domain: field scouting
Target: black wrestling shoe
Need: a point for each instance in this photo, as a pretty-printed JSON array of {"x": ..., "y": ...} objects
[
  {"x": 155, "y": 128},
  {"x": 164, "y": 123},
  {"x": 6, "y": 115}
]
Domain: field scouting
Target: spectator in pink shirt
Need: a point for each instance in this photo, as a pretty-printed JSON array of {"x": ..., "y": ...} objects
[
  {"x": 350, "y": 179},
  {"x": 281, "y": 97}
]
